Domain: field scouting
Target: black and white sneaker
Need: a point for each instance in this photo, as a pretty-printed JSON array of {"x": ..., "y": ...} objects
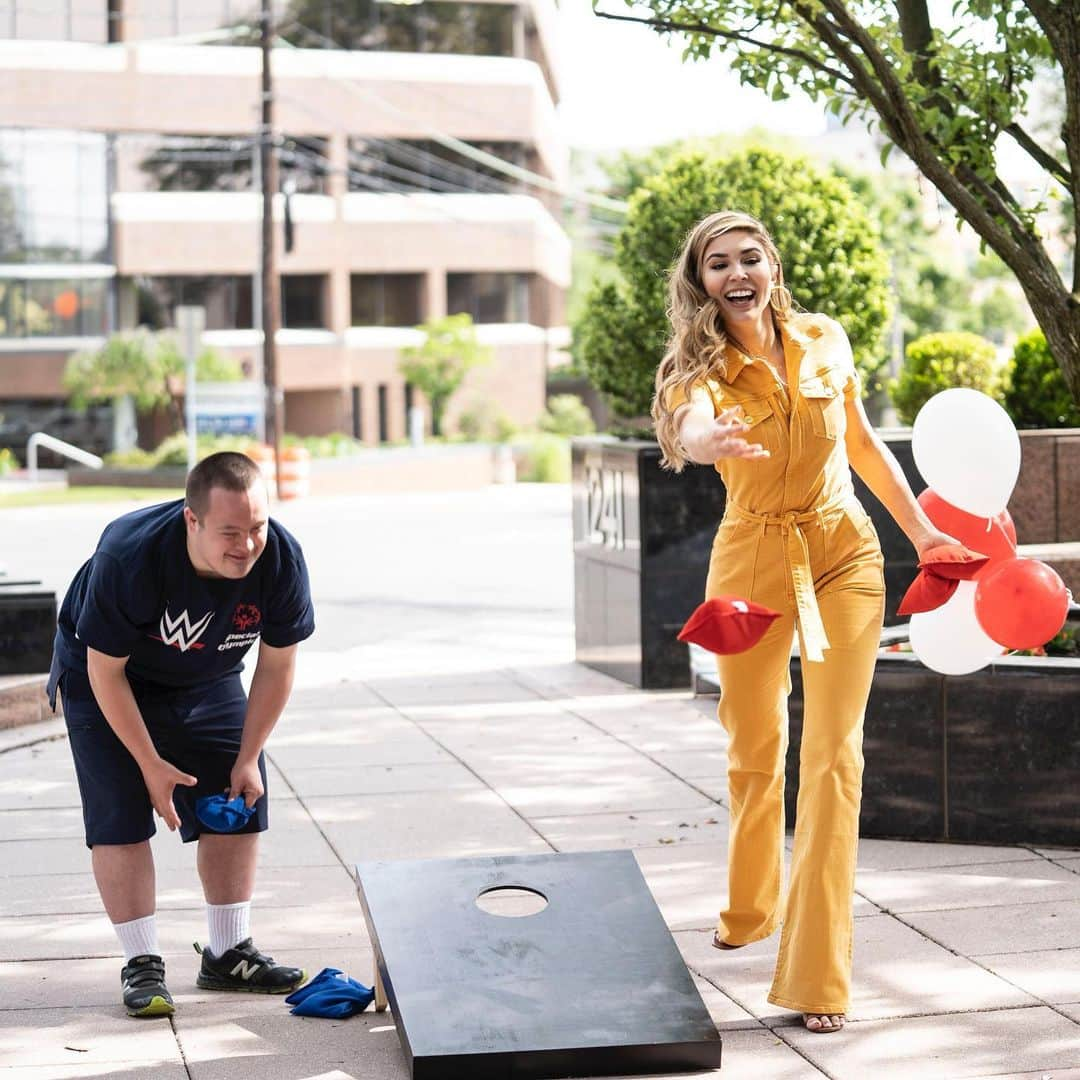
[
  {"x": 145, "y": 992},
  {"x": 243, "y": 967}
]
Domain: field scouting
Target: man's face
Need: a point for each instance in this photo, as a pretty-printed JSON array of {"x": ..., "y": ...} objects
[{"x": 231, "y": 534}]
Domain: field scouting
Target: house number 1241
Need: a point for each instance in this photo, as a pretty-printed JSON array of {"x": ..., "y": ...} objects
[{"x": 607, "y": 517}]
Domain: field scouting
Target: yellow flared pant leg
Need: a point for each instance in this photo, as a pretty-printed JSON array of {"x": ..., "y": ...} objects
[
  {"x": 813, "y": 970},
  {"x": 753, "y": 711},
  {"x": 813, "y": 967}
]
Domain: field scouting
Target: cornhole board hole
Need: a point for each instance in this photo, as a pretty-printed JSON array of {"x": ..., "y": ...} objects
[{"x": 591, "y": 985}]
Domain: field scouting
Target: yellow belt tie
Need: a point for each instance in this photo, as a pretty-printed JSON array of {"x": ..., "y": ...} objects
[{"x": 797, "y": 561}]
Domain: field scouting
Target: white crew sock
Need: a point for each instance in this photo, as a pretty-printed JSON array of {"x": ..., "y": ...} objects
[
  {"x": 138, "y": 937},
  {"x": 229, "y": 925}
]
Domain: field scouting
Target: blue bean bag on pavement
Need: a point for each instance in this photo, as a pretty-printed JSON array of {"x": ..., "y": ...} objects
[{"x": 330, "y": 994}]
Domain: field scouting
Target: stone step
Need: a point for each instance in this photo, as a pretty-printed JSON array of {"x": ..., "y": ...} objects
[{"x": 23, "y": 701}]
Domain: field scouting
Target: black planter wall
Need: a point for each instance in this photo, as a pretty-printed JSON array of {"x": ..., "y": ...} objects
[
  {"x": 901, "y": 562},
  {"x": 27, "y": 627},
  {"x": 642, "y": 537},
  {"x": 987, "y": 758}
]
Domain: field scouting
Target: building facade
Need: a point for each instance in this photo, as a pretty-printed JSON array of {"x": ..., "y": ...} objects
[{"x": 409, "y": 138}]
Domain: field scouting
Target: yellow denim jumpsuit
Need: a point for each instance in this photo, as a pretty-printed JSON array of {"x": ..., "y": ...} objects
[{"x": 795, "y": 538}]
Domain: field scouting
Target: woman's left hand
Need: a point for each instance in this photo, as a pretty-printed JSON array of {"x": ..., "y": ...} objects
[{"x": 931, "y": 539}]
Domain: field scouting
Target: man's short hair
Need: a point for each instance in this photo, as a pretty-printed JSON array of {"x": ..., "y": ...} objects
[{"x": 228, "y": 470}]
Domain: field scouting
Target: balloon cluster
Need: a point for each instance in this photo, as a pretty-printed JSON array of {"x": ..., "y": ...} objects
[{"x": 968, "y": 452}]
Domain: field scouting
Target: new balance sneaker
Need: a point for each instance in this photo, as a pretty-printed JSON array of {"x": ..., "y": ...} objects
[
  {"x": 243, "y": 967},
  {"x": 145, "y": 992}
]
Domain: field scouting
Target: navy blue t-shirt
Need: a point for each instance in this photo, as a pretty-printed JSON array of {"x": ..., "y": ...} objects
[{"x": 139, "y": 596}]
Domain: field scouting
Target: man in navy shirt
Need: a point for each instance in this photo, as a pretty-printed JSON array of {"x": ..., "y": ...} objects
[{"x": 147, "y": 660}]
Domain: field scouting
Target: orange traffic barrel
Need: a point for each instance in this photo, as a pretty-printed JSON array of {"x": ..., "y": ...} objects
[
  {"x": 295, "y": 479},
  {"x": 263, "y": 456}
]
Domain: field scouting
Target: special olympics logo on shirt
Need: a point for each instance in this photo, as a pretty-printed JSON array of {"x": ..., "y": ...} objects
[
  {"x": 246, "y": 617},
  {"x": 181, "y": 631}
]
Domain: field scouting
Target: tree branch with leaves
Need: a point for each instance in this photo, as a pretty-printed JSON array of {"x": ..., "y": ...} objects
[{"x": 945, "y": 95}]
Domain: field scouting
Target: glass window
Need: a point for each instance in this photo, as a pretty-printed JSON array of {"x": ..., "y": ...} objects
[
  {"x": 53, "y": 196},
  {"x": 184, "y": 162},
  {"x": 215, "y": 163},
  {"x": 433, "y": 26},
  {"x": 425, "y": 165},
  {"x": 303, "y": 160},
  {"x": 226, "y": 297},
  {"x": 387, "y": 299},
  {"x": 52, "y": 308},
  {"x": 489, "y": 297},
  {"x": 302, "y": 301},
  {"x": 494, "y": 33}
]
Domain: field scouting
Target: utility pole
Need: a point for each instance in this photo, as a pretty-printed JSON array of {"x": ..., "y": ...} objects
[{"x": 270, "y": 287}]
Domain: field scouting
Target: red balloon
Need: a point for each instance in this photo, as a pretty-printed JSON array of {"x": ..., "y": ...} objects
[
  {"x": 1021, "y": 603},
  {"x": 994, "y": 537}
]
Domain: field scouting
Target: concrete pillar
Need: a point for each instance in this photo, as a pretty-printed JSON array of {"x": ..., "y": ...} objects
[{"x": 435, "y": 293}]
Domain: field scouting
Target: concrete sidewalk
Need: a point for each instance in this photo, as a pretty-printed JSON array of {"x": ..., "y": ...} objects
[
  {"x": 967, "y": 958},
  {"x": 439, "y": 714}
]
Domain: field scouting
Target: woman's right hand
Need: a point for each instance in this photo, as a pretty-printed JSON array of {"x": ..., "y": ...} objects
[
  {"x": 161, "y": 778},
  {"x": 722, "y": 437}
]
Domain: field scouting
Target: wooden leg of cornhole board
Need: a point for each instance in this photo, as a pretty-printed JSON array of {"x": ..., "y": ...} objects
[{"x": 380, "y": 992}]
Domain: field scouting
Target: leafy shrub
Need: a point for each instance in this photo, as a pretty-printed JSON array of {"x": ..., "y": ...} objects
[
  {"x": 567, "y": 414},
  {"x": 543, "y": 459},
  {"x": 484, "y": 422},
  {"x": 938, "y": 362},
  {"x": 1036, "y": 394},
  {"x": 134, "y": 458},
  {"x": 336, "y": 444}
]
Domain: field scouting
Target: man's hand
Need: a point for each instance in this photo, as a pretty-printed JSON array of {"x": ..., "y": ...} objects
[
  {"x": 246, "y": 780},
  {"x": 161, "y": 778},
  {"x": 724, "y": 439}
]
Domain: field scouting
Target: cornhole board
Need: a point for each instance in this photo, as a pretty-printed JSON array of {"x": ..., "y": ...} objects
[{"x": 592, "y": 985}]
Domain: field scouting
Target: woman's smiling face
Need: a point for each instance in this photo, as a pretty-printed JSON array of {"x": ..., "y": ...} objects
[{"x": 737, "y": 274}]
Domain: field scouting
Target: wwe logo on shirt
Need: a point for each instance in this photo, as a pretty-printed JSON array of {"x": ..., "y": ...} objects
[{"x": 181, "y": 631}]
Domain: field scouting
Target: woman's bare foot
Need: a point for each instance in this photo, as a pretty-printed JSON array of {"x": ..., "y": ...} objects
[
  {"x": 719, "y": 943},
  {"x": 823, "y": 1023}
]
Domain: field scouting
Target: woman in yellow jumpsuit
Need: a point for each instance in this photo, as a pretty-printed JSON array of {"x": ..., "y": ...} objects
[{"x": 772, "y": 398}]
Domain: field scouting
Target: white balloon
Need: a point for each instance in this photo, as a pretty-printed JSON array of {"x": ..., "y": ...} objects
[
  {"x": 949, "y": 639},
  {"x": 967, "y": 450}
]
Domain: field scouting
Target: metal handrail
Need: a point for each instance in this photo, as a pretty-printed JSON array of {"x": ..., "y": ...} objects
[{"x": 58, "y": 446}]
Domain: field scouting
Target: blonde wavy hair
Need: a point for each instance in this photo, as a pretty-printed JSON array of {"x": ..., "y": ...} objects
[{"x": 698, "y": 339}]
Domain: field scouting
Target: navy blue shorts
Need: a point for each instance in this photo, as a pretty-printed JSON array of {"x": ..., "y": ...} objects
[{"x": 198, "y": 730}]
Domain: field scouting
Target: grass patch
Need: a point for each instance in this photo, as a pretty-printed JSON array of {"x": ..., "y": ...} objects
[{"x": 64, "y": 496}]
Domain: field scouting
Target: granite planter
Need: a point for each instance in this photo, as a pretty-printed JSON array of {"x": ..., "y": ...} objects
[
  {"x": 987, "y": 758},
  {"x": 642, "y": 537}
]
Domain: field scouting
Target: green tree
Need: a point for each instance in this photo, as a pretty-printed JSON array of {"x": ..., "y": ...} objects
[
  {"x": 1035, "y": 391},
  {"x": 833, "y": 261},
  {"x": 145, "y": 366},
  {"x": 438, "y": 366},
  {"x": 939, "y": 362},
  {"x": 944, "y": 93}
]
